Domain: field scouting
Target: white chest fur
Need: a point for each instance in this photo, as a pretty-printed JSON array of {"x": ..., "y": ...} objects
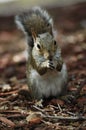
[{"x": 50, "y": 84}]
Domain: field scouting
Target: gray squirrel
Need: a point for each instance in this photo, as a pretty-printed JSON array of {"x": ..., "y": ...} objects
[{"x": 46, "y": 70}]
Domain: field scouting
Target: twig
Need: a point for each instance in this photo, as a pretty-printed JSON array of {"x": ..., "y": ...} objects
[
  {"x": 9, "y": 93},
  {"x": 10, "y": 111},
  {"x": 54, "y": 107},
  {"x": 71, "y": 118},
  {"x": 16, "y": 116},
  {"x": 59, "y": 108},
  {"x": 39, "y": 109},
  {"x": 7, "y": 121},
  {"x": 70, "y": 113}
]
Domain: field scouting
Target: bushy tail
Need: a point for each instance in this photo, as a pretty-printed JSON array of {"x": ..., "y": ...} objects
[{"x": 37, "y": 19}]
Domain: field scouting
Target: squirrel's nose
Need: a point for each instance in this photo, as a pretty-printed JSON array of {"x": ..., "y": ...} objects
[{"x": 48, "y": 56}]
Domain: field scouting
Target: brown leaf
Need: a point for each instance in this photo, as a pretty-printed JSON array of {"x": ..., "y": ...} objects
[
  {"x": 34, "y": 118},
  {"x": 72, "y": 88},
  {"x": 82, "y": 100},
  {"x": 57, "y": 101}
]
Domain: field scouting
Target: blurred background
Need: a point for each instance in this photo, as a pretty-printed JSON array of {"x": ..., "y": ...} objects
[
  {"x": 68, "y": 15},
  {"x": 70, "y": 23}
]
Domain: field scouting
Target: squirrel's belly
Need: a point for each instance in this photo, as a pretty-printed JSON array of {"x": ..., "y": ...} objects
[{"x": 50, "y": 84}]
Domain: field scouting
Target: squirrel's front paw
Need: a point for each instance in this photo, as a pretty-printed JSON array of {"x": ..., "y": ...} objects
[
  {"x": 59, "y": 65},
  {"x": 50, "y": 65}
]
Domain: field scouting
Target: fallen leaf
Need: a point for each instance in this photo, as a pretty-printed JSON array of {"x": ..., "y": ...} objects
[
  {"x": 34, "y": 118},
  {"x": 72, "y": 88},
  {"x": 57, "y": 101},
  {"x": 81, "y": 100}
]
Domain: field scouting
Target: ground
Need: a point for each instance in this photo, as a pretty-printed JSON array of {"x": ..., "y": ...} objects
[{"x": 17, "y": 112}]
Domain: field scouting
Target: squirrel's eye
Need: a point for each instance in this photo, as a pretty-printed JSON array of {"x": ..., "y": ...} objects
[
  {"x": 38, "y": 46},
  {"x": 54, "y": 42}
]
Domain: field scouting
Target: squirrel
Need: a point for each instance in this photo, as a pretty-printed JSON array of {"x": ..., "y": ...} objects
[{"x": 46, "y": 70}]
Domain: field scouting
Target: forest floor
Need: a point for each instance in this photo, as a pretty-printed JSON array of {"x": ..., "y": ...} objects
[{"x": 17, "y": 112}]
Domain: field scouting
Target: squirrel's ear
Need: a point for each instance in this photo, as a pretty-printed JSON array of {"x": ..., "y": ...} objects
[
  {"x": 33, "y": 34},
  {"x": 19, "y": 23}
]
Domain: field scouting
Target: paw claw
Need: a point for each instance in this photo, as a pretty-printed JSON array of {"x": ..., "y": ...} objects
[{"x": 50, "y": 65}]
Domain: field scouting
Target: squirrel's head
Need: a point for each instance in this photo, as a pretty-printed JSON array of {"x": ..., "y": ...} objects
[{"x": 44, "y": 46}]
